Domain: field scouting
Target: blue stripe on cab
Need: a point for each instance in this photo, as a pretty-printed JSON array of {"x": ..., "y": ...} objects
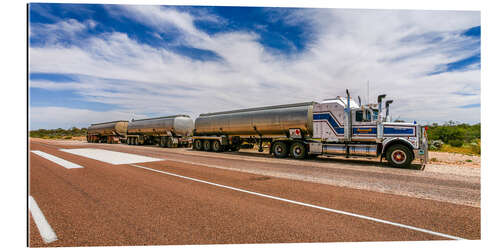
[
  {"x": 398, "y": 131},
  {"x": 329, "y": 118}
]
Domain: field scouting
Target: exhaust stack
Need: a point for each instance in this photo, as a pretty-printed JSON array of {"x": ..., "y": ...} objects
[
  {"x": 348, "y": 127},
  {"x": 379, "y": 101},
  {"x": 387, "y": 103}
]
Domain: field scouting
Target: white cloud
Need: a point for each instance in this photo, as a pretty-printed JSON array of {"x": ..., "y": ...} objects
[
  {"x": 54, "y": 32},
  {"x": 350, "y": 47}
]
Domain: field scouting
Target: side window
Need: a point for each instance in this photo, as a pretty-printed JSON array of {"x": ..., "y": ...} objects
[
  {"x": 359, "y": 116},
  {"x": 368, "y": 116}
]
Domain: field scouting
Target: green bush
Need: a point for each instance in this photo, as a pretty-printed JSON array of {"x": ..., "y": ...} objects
[
  {"x": 451, "y": 131},
  {"x": 435, "y": 144},
  {"x": 456, "y": 143},
  {"x": 58, "y": 133},
  {"x": 476, "y": 146}
]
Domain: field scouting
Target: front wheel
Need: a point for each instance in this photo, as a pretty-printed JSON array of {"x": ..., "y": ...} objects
[
  {"x": 399, "y": 156},
  {"x": 280, "y": 149}
]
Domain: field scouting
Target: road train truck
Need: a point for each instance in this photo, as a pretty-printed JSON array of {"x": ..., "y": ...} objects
[
  {"x": 107, "y": 132},
  {"x": 168, "y": 131},
  {"x": 337, "y": 126}
]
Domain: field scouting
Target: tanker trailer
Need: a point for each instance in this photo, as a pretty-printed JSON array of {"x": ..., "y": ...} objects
[
  {"x": 223, "y": 131},
  {"x": 107, "y": 132},
  {"x": 337, "y": 126},
  {"x": 168, "y": 131}
]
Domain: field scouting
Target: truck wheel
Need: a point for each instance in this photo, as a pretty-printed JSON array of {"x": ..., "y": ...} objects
[
  {"x": 399, "y": 156},
  {"x": 207, "y": 145},
  {"x": 216, "y": 146},
  {"x": 198, "y": 145},
  {"x": 280, "y": 149},
  {"x": 298, "y": 150},
  {"x": 170, "y": 142}
]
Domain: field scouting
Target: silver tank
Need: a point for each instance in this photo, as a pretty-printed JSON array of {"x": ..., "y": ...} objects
[
  {"x": 267, "y": 121},
  {"x": 108, "y": 128},
  {"x": 179, "y": 125}
]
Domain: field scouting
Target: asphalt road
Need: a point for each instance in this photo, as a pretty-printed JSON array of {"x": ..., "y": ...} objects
[{"x": 189, "y": 197}]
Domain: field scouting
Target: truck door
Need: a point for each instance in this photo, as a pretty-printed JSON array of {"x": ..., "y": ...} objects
[{"x": 364, "y": 125}]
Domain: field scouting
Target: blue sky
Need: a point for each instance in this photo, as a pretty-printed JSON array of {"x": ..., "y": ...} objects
[{"x": 94, "y": 63}]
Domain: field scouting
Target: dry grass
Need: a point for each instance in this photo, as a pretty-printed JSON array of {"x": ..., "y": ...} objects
[{"x": 468, "y": 149}]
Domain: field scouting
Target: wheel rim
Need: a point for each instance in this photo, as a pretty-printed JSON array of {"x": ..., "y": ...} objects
[
  {"x": 216, "y": 146},
  {"x": 278, "y": 149},
  {"x": 398, "y": 156},
  {"x": 297, "y": 150}
]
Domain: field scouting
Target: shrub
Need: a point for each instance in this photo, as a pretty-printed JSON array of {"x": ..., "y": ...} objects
[
  {"x": 456, "y": 143},
  {"x": 435, "y": 144},
  {"x": 476, "y": 146}
]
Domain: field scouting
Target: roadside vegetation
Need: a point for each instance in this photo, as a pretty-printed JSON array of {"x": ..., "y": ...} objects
[
  {"x": 455, "y": 138},
  {"x": 59, "y": 133}
]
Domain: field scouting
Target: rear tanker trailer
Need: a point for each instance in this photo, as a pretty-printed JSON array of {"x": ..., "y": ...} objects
[
  {"x": 168, "y": 131},
  {"x": 107, "y": 132},
  {"x": 337, "y": 126}
]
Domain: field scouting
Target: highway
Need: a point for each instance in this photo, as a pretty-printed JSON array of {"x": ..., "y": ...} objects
[{"x": 84, "y": 194}]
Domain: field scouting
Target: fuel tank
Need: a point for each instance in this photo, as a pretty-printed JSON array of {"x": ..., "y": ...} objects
[
  {"x": 108, "y": 128},
  {"x": 178, "y": 125},
  {"x": 265, "y": 121}
]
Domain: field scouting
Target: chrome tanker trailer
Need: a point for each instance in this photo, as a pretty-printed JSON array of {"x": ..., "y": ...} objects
[
  {"x": 107, "y": 132},
  {"x": 168, "y": 131},
  {"x": 338, "y": 126}
]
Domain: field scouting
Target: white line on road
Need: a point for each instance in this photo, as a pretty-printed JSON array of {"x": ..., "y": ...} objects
[
  {"x": 46, "y": 231},
  {"x": 307, "y": 205},
  {"x": 57, "y": 160}
]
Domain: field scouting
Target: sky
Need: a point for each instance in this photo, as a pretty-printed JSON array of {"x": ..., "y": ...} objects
[{"x": 96, "y": 63}]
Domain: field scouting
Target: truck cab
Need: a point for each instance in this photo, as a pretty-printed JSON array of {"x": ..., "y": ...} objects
[{"x": 345, "y": 127}]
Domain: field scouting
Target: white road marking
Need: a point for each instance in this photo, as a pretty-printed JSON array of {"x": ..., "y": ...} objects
[
  {"x": 57, "y": 160},
  {"x": 307, "y": 205},
  {"x": 46, "y": 231},
  {"x": 111, "y": 157}
]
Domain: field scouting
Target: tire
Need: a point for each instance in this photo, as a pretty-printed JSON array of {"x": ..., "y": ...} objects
[
  {"x": 280, "y": 149},
  {"x": 216, "y": 146},
  {"x": 298, "y": 150},
  {"x": 170, "y": 142},
  {"x": 207, "y": 145},
  {"x": 399, "y": 156},
  {"x": 198, "y": 145}
]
